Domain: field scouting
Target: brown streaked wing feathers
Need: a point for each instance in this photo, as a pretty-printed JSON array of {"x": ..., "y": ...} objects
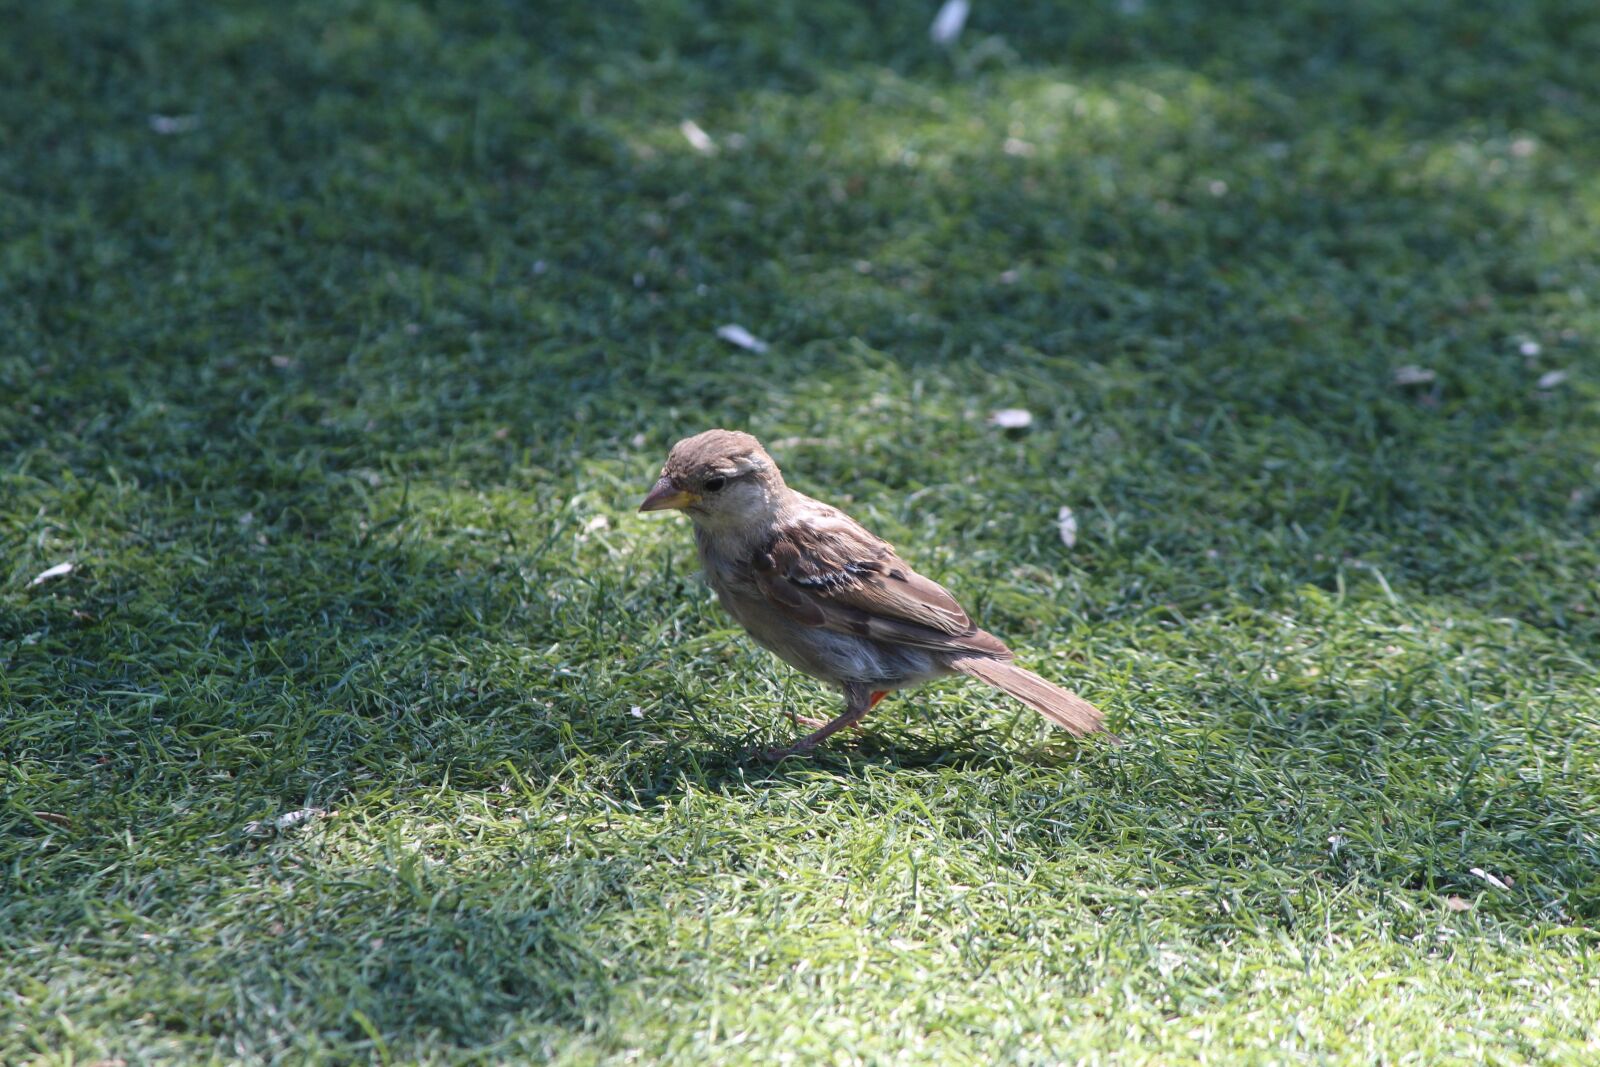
[{"x": 844, "y": 579}]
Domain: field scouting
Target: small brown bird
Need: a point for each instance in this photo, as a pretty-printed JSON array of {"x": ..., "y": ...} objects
[{"x": 810, "y": 584}]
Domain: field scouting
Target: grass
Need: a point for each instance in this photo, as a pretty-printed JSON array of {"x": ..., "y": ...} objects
[{"x": 342, "y": 339}]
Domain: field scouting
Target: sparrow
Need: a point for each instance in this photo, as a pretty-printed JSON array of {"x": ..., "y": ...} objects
[{"x": 812, "y": 585}]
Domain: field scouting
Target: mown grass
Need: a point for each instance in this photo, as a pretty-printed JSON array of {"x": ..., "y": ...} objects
[{"x": 339, "y": 394}]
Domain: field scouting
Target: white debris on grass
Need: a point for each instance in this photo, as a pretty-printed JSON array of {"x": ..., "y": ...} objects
[
  {"x": 168, "y": 125},
  {"x": 287, "y": 821},
  {"x": 949, "y": 22},
  {"x": 698, "y": 139},
  {"x": 1011, "y": 418},
  {"x": 735, "y": 334},
  {"x": 60, "y": 570},
  {"x": 1498, "y": 883},
  {"x": 1414, "y": 375},
  {"x": 1067, "y": 524}
]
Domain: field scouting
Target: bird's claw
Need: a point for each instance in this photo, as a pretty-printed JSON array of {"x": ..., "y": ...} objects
[
  {"x": 779, "y": 754},
  {"x": 817, "y": 724}
]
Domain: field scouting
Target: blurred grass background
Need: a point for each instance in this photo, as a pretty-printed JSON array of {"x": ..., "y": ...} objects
[{"x": 341, "y": 339}]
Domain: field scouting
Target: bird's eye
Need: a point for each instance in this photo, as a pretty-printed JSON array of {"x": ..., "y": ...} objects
[{"x": 713, "y": 484}]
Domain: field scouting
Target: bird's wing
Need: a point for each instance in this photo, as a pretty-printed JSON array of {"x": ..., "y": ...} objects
[{"x": 825, "y": 570}]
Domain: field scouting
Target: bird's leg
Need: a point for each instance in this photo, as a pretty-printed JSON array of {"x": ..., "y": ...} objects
[
  {"x": 858, "y": 700},
  {"x": 817, "y": 724}
]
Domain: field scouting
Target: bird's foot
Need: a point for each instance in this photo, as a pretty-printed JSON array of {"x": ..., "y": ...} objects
[
  {"x": 817, "y": 724},
  {"x": 779, "y": 754},
  {"x": 859, "y": 702}
]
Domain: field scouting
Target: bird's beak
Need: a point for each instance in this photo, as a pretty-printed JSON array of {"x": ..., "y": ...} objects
[{"x": 666, "y": 496}]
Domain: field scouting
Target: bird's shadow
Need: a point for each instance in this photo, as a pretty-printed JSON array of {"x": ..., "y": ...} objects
[{"x": 720, "y": 760}]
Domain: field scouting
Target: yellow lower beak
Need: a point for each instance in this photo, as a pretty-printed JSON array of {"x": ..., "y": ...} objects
[{"x": 666, "y": 496}]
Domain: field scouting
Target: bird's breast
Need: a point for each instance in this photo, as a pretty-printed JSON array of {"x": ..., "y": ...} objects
[{"x": 822, "y": 653}]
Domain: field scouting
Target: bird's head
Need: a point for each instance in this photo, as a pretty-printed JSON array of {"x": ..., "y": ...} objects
[{"x": 719, "y": 478}]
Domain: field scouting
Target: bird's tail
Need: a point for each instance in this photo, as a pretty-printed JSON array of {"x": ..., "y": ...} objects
[{"x": 1061, "y": 706}]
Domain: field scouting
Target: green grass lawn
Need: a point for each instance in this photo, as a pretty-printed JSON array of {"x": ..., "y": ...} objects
[{"x": 341, "y": 339}]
